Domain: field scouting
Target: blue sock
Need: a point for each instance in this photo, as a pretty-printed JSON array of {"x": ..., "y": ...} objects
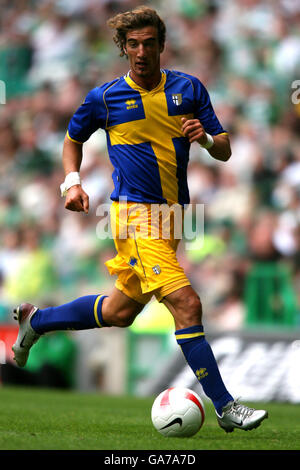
[
  {"x": 200, "y": 358},
  {"x": 80, "y": 314}
]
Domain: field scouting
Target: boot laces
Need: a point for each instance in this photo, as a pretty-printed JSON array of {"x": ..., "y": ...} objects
[{"x": 240, "y": 410}]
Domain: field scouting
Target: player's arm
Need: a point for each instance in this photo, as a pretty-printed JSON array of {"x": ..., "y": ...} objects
[
  {"x": 90, "y": 116},
  {"x": 76, "y": 198},
  {"x": 221, "y": 149},
  {"x": 218, "y": 145}
]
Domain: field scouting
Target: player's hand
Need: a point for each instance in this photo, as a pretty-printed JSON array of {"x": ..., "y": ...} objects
[
  {"x": 193, "y": 130},
  {"x": 77, "y": 199}
]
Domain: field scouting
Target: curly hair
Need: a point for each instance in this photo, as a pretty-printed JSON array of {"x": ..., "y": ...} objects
[{"x": 138, "y": 18}]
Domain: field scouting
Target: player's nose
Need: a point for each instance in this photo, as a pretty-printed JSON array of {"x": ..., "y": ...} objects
[{"x": 141, "y": 51}]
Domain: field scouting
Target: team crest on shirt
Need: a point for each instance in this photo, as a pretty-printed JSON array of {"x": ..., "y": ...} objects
[{"x": 177, "y": 98}]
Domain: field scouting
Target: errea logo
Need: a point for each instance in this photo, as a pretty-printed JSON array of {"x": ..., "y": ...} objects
[
  {"x": 201, "y": 373},
  {"x": 131, "y": 104}
]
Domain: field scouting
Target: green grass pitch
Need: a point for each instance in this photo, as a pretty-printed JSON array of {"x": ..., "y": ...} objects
[{"x": 41, "y": 419}]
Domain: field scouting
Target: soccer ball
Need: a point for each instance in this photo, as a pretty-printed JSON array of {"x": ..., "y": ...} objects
[{"x": 178, "y": 412}]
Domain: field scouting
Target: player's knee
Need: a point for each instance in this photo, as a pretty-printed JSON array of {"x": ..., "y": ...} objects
[
  {"x": 192, "y": 310},
  {"x": 188, "y": 311},
  {"x": 185, "y": 306}
]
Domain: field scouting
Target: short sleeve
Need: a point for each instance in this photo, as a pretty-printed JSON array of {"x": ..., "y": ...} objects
[
  {"x": 204, "y": 110},
  {"x": 89, "y": 117}
]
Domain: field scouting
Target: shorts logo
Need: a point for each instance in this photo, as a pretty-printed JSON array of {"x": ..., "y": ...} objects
[
  {"x": 177, "y": 99},
  {"x": 131, "y": 104},
  {"x": 156, "y": 269}
]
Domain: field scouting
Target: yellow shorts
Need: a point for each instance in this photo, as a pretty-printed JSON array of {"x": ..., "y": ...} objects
[{"x": 146, "y": 242}]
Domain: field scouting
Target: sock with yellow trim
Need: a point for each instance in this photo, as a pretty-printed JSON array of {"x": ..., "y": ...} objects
[
  {"x": 201, "y": 359},
  {"x": 80, "y": 314}
]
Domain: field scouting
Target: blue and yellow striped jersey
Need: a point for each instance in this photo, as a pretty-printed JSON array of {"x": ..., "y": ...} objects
[{"x": 145, "y": 143}]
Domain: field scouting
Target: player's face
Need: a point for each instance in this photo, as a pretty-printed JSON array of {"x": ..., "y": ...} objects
[{"x": 143, "y": 51}]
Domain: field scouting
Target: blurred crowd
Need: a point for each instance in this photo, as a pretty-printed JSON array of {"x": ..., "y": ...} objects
[{"x": 246, "y": 52}]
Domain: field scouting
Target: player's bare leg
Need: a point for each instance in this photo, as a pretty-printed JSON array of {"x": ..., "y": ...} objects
[
  {"x": 120, "y": 310},
  {"x": 185, "y": 306}
]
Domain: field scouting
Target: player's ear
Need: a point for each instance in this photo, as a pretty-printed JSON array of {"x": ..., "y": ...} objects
[{"x": 125, "y": 50}]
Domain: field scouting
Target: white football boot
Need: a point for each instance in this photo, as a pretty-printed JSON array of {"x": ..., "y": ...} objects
[
  {"x": 236, "y": 415},
  {"x": 26, "y": 336}
]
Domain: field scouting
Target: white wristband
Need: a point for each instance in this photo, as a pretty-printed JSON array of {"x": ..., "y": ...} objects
[
  {"x": 210, "y": 142},
  {"x": 71, "y": 179}
]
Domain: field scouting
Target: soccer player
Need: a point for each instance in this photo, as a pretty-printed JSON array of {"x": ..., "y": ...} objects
[{"x": 150, "y": 116}]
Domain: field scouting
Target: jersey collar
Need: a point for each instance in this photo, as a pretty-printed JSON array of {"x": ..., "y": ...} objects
[{"x": 137, "y": 87}]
